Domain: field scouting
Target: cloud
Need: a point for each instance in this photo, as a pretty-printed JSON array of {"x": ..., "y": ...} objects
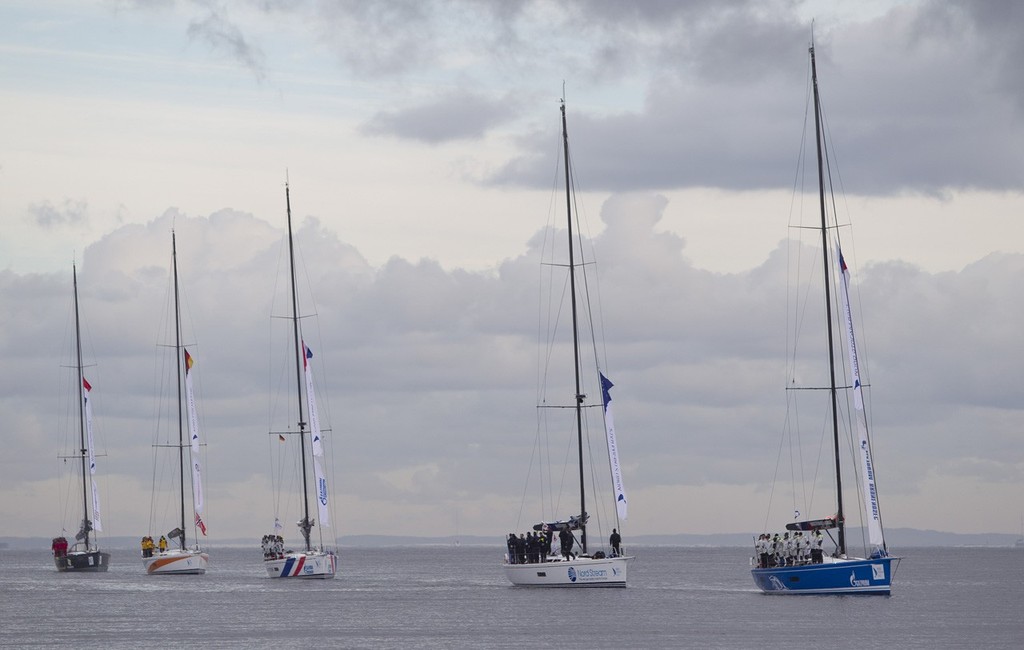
[
  {"x": 70, "y": 213},
  {"x": 217, "y": 31},
  {"x": 457, "y": 116},
  {"x": 920, "y": 98},
  {"x": 427, "y": 376},
  {"x": 428, "y": 373}
]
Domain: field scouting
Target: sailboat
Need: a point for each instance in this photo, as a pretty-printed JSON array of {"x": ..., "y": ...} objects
[
  {"x": 182, "y": 560},
  {"x": 84, "y": 554},
  {"x": 796, "y": 563},
  {"x": 532, "y": 560},
  {"x": 312, "y": 561}
]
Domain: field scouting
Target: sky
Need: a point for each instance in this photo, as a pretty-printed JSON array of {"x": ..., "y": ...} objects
[{"x": 421, "y": 141}]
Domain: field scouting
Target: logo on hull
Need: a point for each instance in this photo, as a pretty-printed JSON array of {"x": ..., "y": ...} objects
[{"x": 854, "y": 582}]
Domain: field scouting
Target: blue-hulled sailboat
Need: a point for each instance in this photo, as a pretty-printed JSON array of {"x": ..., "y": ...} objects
[{"x": 796, "y": 563}]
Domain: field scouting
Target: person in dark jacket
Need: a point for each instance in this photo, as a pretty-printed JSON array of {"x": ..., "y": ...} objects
[
  {"x": 615, "y": 540},
  {"x": 511, "y": 544},
  {"x": 565, "y": 537}
]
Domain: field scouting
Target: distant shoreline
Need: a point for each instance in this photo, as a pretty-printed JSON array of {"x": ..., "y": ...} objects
[{"x": 896, "y": 538}]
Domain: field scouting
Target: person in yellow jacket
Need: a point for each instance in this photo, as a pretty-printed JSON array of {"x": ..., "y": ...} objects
[{"x": 163, "y": 544}]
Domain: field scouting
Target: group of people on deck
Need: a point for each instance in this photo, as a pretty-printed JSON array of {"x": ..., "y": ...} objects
[
  {"x": 789, "y": 549},
  {"x": 148, "y": 546},
  {"x": 273, "y": 547},
  {"x": 532, "y": 548}
]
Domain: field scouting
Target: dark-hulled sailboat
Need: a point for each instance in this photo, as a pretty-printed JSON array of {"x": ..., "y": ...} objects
[{"x": 83, "y": 554}]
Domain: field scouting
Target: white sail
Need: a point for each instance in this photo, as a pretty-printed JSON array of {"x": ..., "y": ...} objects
[
  {"x": 874, "y": 519},
  {"x": 86, "y": 390},
  {"x": 318, "y": 448},
  {"x": 193, "y": 431},
  {"x": 613, "y": 449}
]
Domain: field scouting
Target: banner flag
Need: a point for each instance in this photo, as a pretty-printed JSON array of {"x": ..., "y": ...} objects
[
  {"x": 613, "y": 449},
  {"x": 874, "y": 520}
]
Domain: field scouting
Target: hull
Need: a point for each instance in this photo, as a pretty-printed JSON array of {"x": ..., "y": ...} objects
[
  {"x": 834, "y": 576},
  {"x": 82, "y": 561},
  {"x": 302, "y": 565},
  {"x": 177, "y": 562},
  {"x": 578, "y": 572}
]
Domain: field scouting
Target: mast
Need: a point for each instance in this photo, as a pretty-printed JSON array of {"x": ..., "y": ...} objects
[
  {"x": 840, "y": 519},
  {"x": 86, "y": 523},
  {"x": 177, "y": 368},
  {"x": 575, "y": 336},
  {"x": 306, "y": 525}
]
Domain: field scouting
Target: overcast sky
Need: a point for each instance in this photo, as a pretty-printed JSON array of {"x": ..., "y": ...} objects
[{"x": 421, "y": 140}]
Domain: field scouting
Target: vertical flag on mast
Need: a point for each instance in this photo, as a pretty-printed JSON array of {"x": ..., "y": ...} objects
[
  {"x": 318, "y": 449},
  {"x": 613, "y": 448},
  {"x": 86, "y": 391},
  {"x": 193, "y": 431},
  {"x": 874, "y": 520}
]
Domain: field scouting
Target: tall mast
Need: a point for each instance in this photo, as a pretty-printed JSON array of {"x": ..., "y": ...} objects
[
  {"x": 177, "y": 368},
  {"x": 86, "y": 522},
  {"x": 306, "y": 525},
  {"x": 575, "y": 336},
  {"x": 840, "y": 519}
]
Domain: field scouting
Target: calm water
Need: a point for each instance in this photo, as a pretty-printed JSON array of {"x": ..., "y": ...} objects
[{"x": 457, "y": 598}]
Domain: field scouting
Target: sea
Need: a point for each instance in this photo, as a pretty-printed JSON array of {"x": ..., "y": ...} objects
[{"x": 457, "y": 597}]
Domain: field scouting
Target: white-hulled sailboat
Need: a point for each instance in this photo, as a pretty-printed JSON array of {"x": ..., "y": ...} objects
[
  {"x": 84, "y": 554},
  {"x": 313, "y": 561},
  {"x": 181, "y": 559},
  {"x": 534, "y": 559},
  {"x": 793, "y": 563}
]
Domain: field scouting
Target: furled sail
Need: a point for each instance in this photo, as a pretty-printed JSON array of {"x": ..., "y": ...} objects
[
  {"x": 613, "y": 448},
  {"x": 814, "y": 524},
  {"x": 874, "y": 519},
  {"x": 572, "y": 523}
]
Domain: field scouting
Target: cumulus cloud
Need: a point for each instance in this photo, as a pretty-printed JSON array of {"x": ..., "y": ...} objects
[{"x": 428, "y": 375}]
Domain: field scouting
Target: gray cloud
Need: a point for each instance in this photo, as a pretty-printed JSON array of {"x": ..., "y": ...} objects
[
  {"x": 221, "y": 35},
  {"x": 429, "y": 374},
  {"x": 453, "y": 117},
  {"x": 925, "y": 99},
  {"x": 69, "y": 213}
]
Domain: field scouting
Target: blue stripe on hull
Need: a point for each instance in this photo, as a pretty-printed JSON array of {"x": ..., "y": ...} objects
[
  {"x": 854, "y": 576},
  {"x": 286, "y": 570}
]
